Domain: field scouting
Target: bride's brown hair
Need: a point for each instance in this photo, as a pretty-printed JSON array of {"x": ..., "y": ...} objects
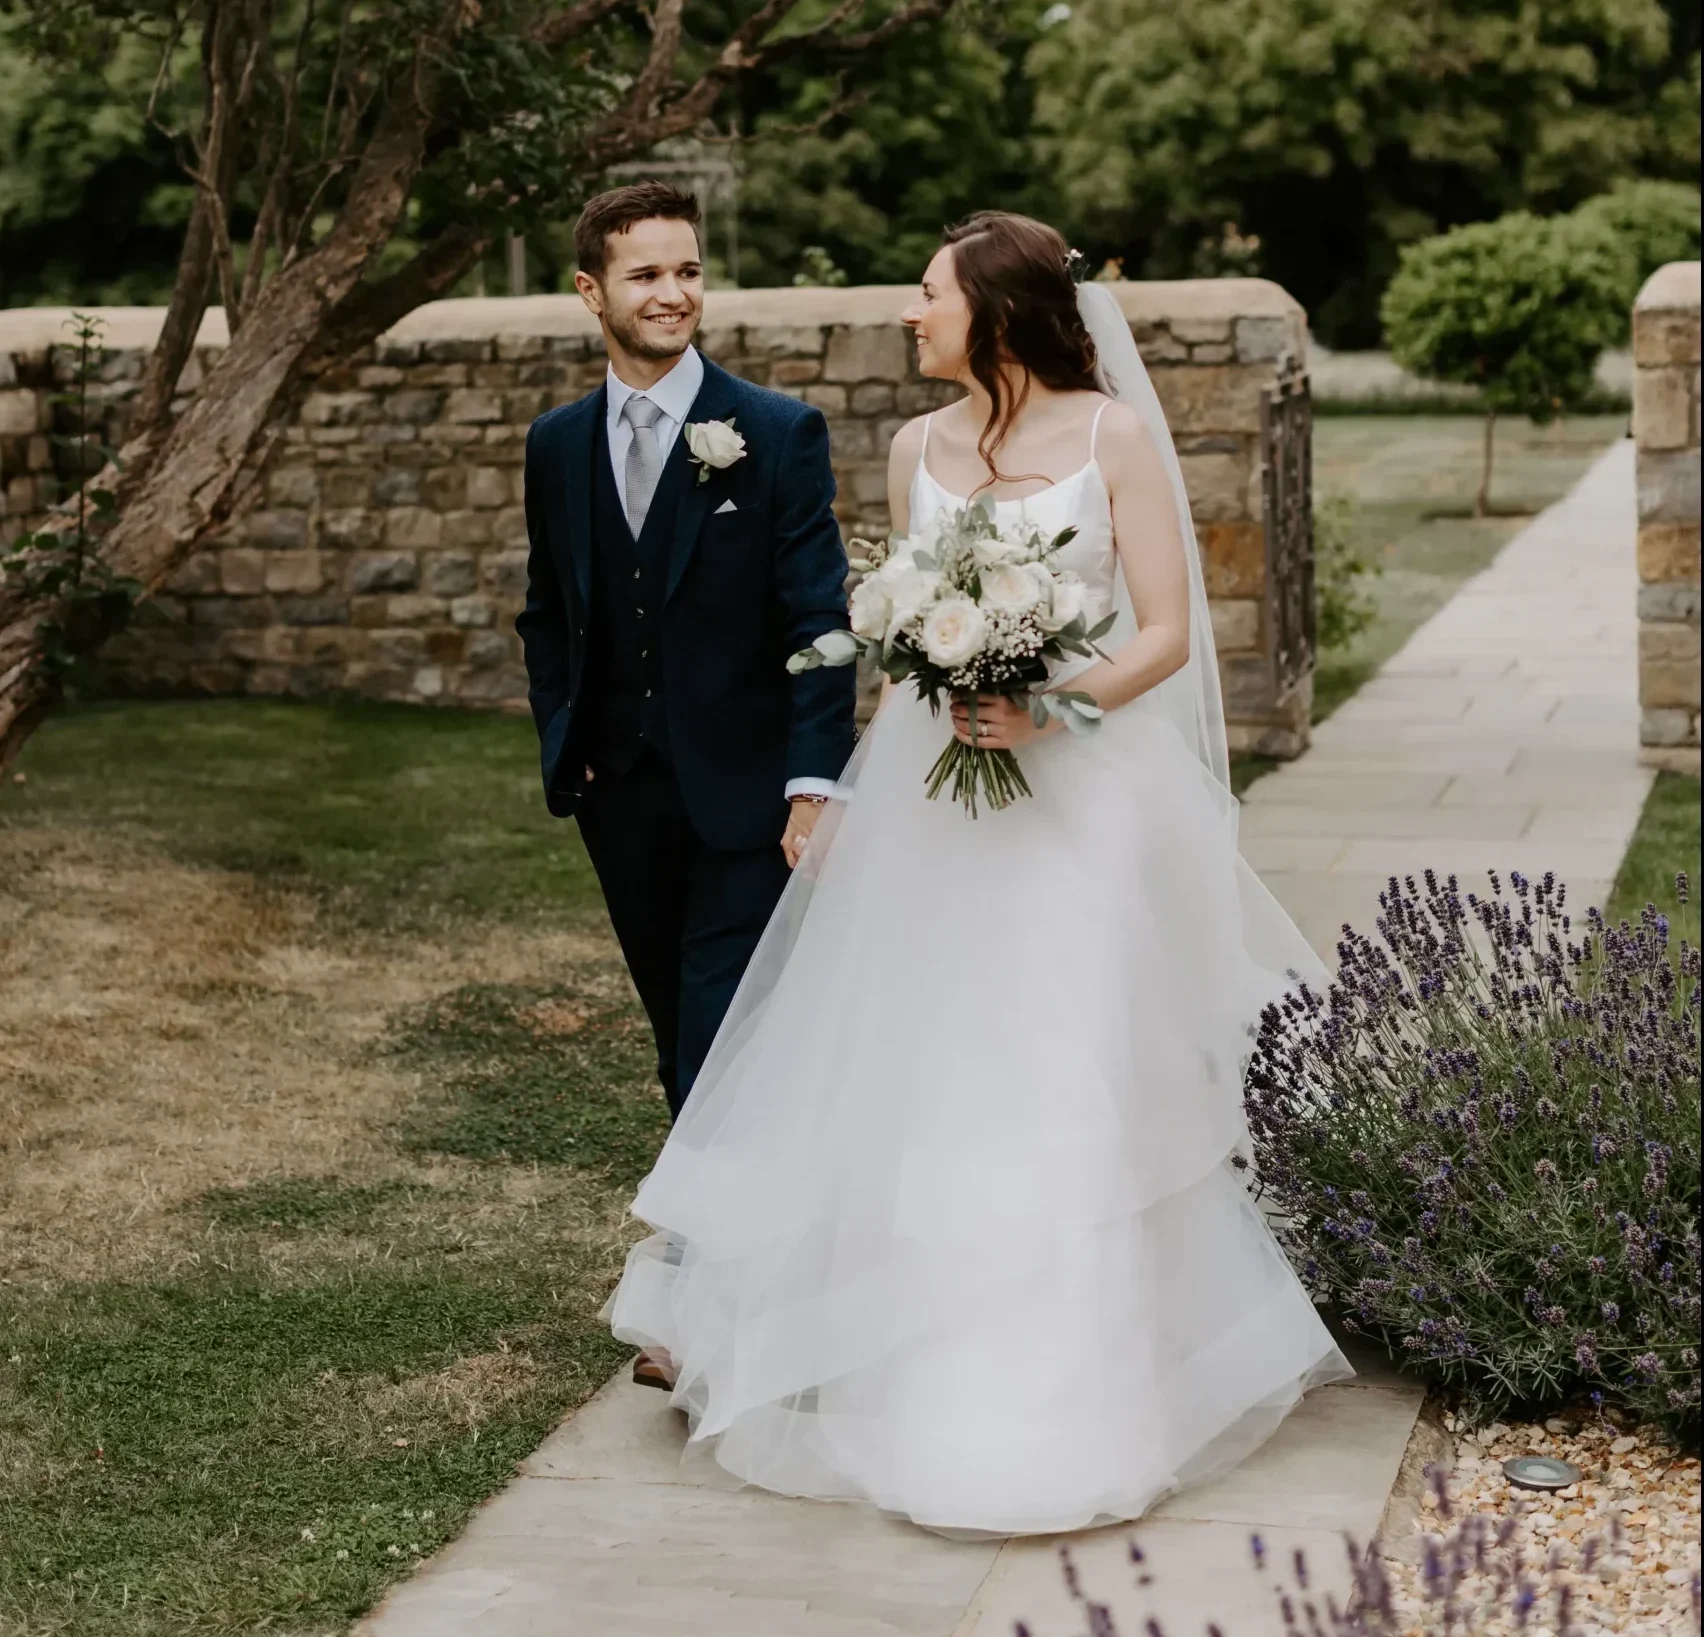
[{"x": 1016, "y": 276}]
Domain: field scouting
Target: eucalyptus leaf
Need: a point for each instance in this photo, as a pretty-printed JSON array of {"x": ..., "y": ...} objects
[{"x": 837, "y": 647}]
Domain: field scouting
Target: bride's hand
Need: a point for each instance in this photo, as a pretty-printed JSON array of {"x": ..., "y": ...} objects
[{"x": 1001, "y": 723}]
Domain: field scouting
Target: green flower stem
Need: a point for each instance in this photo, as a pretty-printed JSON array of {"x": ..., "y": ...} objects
[{"x": 990, "y": 775}]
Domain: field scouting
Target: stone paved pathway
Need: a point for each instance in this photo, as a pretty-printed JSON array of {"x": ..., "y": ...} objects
[{"x": 1502, "y": 735}]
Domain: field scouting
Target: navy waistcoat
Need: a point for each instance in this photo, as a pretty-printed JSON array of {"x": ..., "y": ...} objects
[{"x": 624, "y": 668}]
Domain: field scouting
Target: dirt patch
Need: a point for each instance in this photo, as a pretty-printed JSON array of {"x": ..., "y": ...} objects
[
  {"x": 462, "y": 1395},
  {"x": 166, "y": 1031}
]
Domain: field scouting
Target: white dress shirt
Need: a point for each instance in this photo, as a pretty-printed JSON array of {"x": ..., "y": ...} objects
[{"x": 674, "y": 396}]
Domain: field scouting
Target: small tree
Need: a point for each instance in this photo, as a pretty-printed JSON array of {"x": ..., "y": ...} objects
[{"x": 1519, "y": 307}]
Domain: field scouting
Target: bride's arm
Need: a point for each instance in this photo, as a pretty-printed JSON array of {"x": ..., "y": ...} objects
[
  {"x": 903, "y": 454},
  {"x": 1151, "y": 554}
]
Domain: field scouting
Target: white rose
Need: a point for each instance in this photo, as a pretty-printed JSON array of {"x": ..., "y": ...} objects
[
  {"x": 1009, "y": 590},
  {"x": 1000, "y": 549},
  {"x": 1070, "y": 596},
  {"x": 870, "y": 609},
  {"x": 896, "y": 568},
  {"x": 953, "y": 631},
  {"x": 715, "y": 443},
  {"x": 909, "y": 594}
]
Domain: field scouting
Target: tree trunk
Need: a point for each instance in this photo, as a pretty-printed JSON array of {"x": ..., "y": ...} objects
[{"x": 1482, "y": 502}]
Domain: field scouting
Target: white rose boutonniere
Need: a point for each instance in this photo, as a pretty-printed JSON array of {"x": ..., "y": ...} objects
[{"x": 715, "y": 446}]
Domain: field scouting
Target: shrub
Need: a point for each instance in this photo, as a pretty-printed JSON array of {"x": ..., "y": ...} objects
[
  {"x": 1484, "y": 1145},
  {"x": 1345, "y": 609},
  {"x": 1651, "y": 224},
  {"x": 1519, "y": 307}
]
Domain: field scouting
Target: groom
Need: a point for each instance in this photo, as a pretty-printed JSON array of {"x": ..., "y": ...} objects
[{"x": 683, "y": 545}]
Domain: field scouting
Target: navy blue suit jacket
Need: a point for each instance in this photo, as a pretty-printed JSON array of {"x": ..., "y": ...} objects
[{"x": 745, "y": 589}]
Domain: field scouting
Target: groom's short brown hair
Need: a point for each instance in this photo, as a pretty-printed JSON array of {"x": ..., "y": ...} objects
[{"x": 619, "y": 209}]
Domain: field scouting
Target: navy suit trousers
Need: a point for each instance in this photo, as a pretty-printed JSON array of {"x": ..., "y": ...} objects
[{"x": 688, "y": 916}]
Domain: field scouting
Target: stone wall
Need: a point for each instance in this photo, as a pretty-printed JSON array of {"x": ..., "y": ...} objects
[
  {"x": 387, "y": 555},
  {"x": 1665, "y": 427}
]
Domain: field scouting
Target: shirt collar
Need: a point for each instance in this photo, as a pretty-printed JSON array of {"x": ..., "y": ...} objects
[{"x": 675, "y": 394}]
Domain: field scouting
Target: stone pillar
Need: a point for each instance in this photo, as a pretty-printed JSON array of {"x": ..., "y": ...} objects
[{"x": 1665, "y": 428}]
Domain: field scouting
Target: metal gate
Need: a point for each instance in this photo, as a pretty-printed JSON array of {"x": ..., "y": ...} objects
[{"x": 1286, "y": 464}]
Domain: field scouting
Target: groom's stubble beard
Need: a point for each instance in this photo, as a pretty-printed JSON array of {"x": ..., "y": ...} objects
[{"x": 629, "y": 330}]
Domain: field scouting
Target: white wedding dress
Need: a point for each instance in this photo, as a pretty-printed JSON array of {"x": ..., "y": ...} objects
[{"x": 948, "y": 1223}]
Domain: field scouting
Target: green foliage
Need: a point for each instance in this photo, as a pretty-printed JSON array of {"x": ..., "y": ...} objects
[
  {"x": 1343, "y": 607},
  {"x": 1652, "y": 224},
  {"x": 816, "y": 267},
  {"x": 1520, "y": 308},
  {"x": 92, "y": 201},
  {"x": 1338, "y": 131},
  {"x": 942, "y": 130},
  {"x": 60, "y": 571}
]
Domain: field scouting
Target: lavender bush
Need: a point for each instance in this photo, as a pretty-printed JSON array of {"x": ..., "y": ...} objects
[{"x": 1483, "y": 1142}]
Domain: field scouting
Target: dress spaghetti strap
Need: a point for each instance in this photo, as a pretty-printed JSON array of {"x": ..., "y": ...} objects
[
  {"x": 923, "y": 452},
  {"x": 1094, "y": 429}
]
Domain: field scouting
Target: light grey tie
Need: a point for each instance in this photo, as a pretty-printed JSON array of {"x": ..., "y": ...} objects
[{"x": 644, "y": 462}]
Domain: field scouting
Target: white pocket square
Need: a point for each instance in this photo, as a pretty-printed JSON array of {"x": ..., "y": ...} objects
[{"x": 726, "y": 506}]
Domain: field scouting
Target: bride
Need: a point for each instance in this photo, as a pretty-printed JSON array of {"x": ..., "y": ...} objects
[{"x": 948, "y": 1224}]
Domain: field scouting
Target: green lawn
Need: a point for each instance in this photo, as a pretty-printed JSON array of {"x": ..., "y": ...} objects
[
  {"x": 392, "y": 810},
  {"x": 1664, "y": 846},
  {"x": 327, "y": 1097},
  {"x": 1412, "y": 482}
]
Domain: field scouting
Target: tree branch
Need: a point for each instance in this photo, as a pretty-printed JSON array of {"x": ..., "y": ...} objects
[
  {"x": 196, "y": 262},
  {"x": 372, "y": 308},
  {"x": 578, "y": 19},
  {"x": 636, "y": 127}
]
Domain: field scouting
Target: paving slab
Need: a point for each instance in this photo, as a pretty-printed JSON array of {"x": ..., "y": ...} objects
[
  {"x": 1329, "y": 1466},
  {"x": 627, "y": 1557},
  {"x": 1189, "y": 1574}
]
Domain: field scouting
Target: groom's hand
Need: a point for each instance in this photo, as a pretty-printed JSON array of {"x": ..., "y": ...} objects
[{"x": 802, "y": 815}]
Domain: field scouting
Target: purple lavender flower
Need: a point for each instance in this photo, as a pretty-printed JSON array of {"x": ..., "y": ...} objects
[{"x": 1475, "y": 1089}]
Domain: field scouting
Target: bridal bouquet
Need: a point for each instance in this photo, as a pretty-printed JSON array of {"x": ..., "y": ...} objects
[{"x": 967, "y": 607}]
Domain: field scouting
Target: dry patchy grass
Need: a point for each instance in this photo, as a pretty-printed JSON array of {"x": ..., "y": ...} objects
[{"x": 167, "y": 1030}]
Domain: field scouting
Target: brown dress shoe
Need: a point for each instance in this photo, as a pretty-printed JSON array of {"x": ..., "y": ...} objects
[{"x": 648, "y": 1372}]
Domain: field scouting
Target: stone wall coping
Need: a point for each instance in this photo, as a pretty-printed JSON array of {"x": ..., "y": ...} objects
[
  {"x": 1674, "y": 287},
  {"x": 29, "y": 329}
]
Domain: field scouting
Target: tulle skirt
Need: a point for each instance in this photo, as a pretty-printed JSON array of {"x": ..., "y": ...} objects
[{"x": 949, "y": 1223}]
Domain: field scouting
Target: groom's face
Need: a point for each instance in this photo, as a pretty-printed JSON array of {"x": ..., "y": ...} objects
[{"x": 650, "y": 295}]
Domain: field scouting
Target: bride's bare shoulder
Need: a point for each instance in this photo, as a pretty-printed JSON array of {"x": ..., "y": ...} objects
[
  {"x": 1124, "y": 437},
  {"x": 906, "y": 447},
  {"x": 1120, "y": 423}
]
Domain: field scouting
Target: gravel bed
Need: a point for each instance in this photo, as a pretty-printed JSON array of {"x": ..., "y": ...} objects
[{"x": 1624, "y": 1540}]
